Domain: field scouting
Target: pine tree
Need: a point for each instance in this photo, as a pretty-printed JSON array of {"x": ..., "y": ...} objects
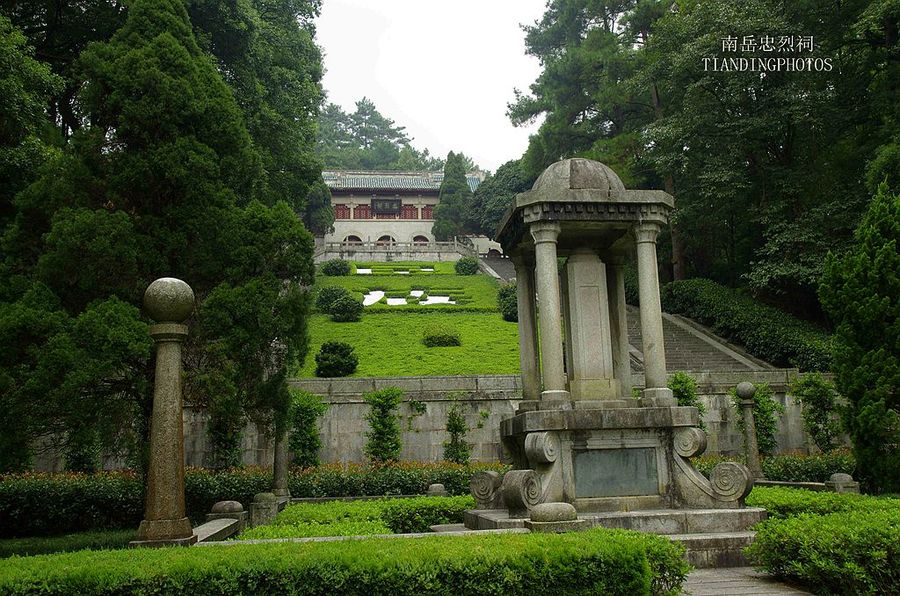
[
  {"x": 163, "y": 179},
  {"x": 861, "y": 293},
  {"x": 455, "y": 198}
]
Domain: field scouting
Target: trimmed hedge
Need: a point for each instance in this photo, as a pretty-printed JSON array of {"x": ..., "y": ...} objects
[
  {"x": 856, "y": 552},
  {"x": 791, "y": 468},
  {"x": 437, "y": 336},
  {"x": 592, "y": 562},
  {"x": 310, "y": 530},
  {"x": 406, "y": 516},
  {"x": 110, "y": 500},
  {"x": 783, "y": 502},
  {"x": 766, "y": 332},
  {"x": 106, "y": 539},
  {"x": 466, "y": 266},
  {"x": 336, "y": 268}
]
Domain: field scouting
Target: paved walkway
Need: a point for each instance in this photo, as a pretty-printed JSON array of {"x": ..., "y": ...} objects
[{"x": 734, "y": 581}]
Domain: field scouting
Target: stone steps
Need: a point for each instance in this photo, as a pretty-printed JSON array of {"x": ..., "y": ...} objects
[{"x": 712, "y": 537}]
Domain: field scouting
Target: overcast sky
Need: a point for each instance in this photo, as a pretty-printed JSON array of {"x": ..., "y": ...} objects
[{"x": 445, "y": 69}]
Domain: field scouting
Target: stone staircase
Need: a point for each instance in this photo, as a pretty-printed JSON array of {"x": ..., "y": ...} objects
[
  {"x": 690, "y": 347},
  {"x": 712, "y": 537}
]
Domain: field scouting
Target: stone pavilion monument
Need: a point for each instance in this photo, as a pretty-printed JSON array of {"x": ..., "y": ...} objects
[{"x": 579, "y": 437}]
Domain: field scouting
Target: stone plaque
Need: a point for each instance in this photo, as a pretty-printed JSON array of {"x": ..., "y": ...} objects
[{"x": 616, "y": 472}]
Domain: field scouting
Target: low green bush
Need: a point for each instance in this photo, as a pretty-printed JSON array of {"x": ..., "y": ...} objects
[
  {"x": 766, "y": 332},
  {"x": 309, "y": 530},
  {"x": 336, "y": 359},
  {"x": 790, "y": 502},
  {"x": 508, "y": 302},
  {"x": 597, "y": 561},
  {"x": 336, "y": 268},
  {"x": 466, "y": 266},
  {"x": 790, "y": 468},
  {"x": 329, "y": 512},
  {"x": 326, "y": 296},
  {"x": 345, "y": 309},
  {"x": 684, "y": 388},
  {"x": 436, "y": 336},
  {"x": 406, "y": 516},
  {"x": 43, "y": 545},
  {"x": 855, "y": 552},
  {"x": 111, "y": 500}
]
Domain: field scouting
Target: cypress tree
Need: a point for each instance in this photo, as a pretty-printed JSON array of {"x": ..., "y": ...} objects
[
  {"x": 861, "y": 294},
  {"x": 455, "y": 198}
]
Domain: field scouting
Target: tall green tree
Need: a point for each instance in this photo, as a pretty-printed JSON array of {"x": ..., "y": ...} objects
[
  {"x": 861, "y": 293},
  {"x": 495, "y": 195},
  {"x": 162, "y": 178},
  {"x": 454, "y": 200}
]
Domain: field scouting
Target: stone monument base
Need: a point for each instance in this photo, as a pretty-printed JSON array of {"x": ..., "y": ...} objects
[{"x": 164, "y": 532}]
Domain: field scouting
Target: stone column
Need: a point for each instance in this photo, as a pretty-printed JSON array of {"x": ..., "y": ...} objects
[
  {"x": 655, "y": 392},
  {"x": 528, "y": 350},
  {"x": 745, "y": 391},
  {"x": 545, "y": 234},
  {"x": 618, "y": 323},
  {"x": 280, "y": 468},
  {"x": 587, "y": 329},
  {"x": 170, "y": 302}
]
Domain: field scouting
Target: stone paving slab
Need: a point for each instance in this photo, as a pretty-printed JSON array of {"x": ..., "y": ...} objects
[{"x": 735, "y": 581}]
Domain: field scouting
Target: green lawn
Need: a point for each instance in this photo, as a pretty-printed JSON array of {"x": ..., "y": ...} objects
[
  {"x": 470, "y": 292},
  {"x": 390, "y": 345},
  {"x": 440, "y": 268}
]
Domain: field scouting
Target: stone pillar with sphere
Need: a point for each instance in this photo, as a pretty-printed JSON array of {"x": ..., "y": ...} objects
[{"x": 170, "y": 303}]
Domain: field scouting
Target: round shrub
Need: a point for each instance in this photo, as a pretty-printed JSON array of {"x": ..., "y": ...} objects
[
  {"x": 466, "y": 266},
  {"x": 336, "y": 268},
  {"x": 440, "y": 336},
  {"x": 508, "y": 302},
  {"x": 345, "y": 309},
  {"x": 327, "y": 295},
  {"x": 335, "y": 359}
]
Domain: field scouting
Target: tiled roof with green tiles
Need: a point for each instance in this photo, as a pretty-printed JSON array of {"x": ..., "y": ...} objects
[{"x": 373, "y": 180}]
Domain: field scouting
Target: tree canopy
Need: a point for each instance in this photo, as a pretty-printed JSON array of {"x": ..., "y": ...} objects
[{"x": 160, "y": 176}]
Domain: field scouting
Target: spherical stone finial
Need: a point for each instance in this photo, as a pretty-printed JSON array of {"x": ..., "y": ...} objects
[
  {"x": 745, "y": 390},
  {"x": 169, "y": 300}
]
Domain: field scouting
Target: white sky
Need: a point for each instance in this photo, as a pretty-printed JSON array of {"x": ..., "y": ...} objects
[{"x": 444, "y": 69}]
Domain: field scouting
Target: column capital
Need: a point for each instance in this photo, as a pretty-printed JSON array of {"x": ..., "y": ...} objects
[
  {"x": 168, "y": 332},
  {"x": 646, "y": 231},
  {"x": 545, "y": 231}
]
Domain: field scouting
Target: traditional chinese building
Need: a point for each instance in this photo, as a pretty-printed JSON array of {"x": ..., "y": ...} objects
[{"x": 385, "y": 207}]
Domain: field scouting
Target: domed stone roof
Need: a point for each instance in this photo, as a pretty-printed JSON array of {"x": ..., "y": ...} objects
[{"x": 579, "y": 174}]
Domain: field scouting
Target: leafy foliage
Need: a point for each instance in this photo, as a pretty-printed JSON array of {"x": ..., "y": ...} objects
[
  {"x": 336, "y": 359},
  {"x": 336, "y": 268},
  {"x": 304, "y": 441},
  {"x": 577, "y": 563},
  {"x": 861, "y": 293},
  {"x": 407, "y": 516},
  {"x": 327, "y": 295},
  {"x": 456, "y": 449},
  {"x": 383, "y": 437},
  {"x": 684, "y": 388},
  {"x": 765, "y": 332},
  {"x": 852, "y": 552},
  {"x": 508, "y": 302},
  {"x": 820, "y": 409},
  {"x": 782, "y": 503},
  {"x": 791, "y": 468},
  {"x": 345, "y": 309},
  {"x": 97, "y": 540},
  {"x": 440, "y": 336},
  {"x": 455, "y": 197},
  {"x": 466, "y": 266},
  {"x": 765, "y": 413},
  {"x": 495, "y": 195}
]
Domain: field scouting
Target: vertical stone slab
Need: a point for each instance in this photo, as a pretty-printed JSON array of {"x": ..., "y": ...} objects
[
  {"x": 588, "y": 328},
  {"x": 618, "y": 324},
  {"x": 547, "y": 282},
  {"x": 169, "y": 301}
]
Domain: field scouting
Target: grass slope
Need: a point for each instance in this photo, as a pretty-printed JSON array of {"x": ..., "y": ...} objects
[
  {"x": 471, "y": 292},
  {"x": 390, "y": 345}
]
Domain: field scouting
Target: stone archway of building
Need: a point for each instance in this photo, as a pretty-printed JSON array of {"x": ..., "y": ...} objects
[
  {"x": 385, "y": 240},
  {"x": 420, "y": 239},
  {"x": 352, "y": 239}
]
